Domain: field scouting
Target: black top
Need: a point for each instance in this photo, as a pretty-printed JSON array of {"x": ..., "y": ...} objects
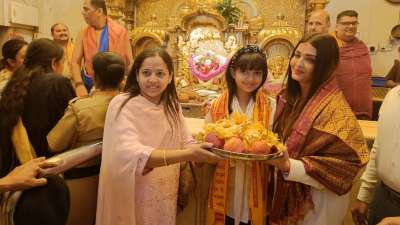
[{"x": 47, "y": 98}]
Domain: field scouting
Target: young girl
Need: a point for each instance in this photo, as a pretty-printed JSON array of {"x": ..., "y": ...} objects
[
  {"x": 244, "y": 185},
  {"x": 145, "y": 138},
  {"x": 326, "y": 148}
]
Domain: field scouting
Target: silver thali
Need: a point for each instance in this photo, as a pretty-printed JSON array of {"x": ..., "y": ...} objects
[{"x": 246, "y": 156}]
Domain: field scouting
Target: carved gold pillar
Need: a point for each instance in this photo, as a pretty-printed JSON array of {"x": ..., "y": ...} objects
[
  {"x": 314, "y": 5},
  {"x": 204, "y": 3},
  {"x": 317, "y": 4},
  {"x": 129, "y": 18},
  {"x": 116, "y": 9},
  {"x": 256, "y": 24}
]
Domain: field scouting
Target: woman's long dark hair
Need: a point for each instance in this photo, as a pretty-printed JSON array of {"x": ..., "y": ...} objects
[
  {"x": 10, "y": 50},
  {"x": 246, "y": 58},
  {"x": 38, "y": 60},
  {"x": 169, "y": 97},
  {"x": 326, "y": 61}
]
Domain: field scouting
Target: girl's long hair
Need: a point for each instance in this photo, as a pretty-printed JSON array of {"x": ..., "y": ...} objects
[
  {"x": 38, "y": 60},
  {"x": 169, "y": 97},
  {"x": 246, "y": 58},
  {"x": 326, "y": 61}
]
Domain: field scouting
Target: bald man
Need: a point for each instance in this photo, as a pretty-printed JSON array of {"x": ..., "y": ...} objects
[
  {"x": 61, "y": 35},
  {"x": 318, "y": 22}
]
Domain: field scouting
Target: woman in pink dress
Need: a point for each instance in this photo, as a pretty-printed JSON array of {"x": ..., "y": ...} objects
[{"x": 145, "y": 138}]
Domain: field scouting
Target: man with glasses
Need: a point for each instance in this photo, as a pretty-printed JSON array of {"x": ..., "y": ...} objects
[
  {"x": 101, "y": 35},
  {"x": 354, "y": 71}
]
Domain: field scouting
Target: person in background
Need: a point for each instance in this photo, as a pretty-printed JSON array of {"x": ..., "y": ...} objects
[
  {"x": 32, "y": 102},
  {"x": 325, "y": 145},
  {"x": 13, "y": 52},
  {"x": 102, "y": 34},
  {"x": 380, "y": 183},
  {"x": 318, "y": 22},
  {"x": 393, "y": 77},
  {"x": 83, "y": 124},
  {"x": 61, "y": 36},
  {"x": 354, "y": 71}
]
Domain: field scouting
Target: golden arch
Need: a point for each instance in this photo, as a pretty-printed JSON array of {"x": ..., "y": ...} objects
[
  {"x": 139, "y": 36},
  {"x": 267, "y": 40}
]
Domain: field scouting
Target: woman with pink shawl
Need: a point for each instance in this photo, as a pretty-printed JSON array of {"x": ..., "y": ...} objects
[{"x": 145, "y": 138}]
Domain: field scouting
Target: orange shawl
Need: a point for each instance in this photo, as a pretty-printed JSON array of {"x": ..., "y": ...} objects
[
  {"x": 68, "y": 51},
  {"x": 326, "y": 137},
  {"x": 218, "y": 197},
  {"x": 117, "y": 42}
]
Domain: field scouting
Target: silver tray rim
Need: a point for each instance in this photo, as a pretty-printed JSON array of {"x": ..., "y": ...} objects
[{"x": 246, "y": 156}]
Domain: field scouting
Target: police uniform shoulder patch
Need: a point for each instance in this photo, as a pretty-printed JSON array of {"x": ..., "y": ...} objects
[{"x": 73, "y": 100}]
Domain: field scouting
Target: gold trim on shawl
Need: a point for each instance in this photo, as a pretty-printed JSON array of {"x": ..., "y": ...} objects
[
  {"x": 218, "y": 197},
  {"x": 339, "y": 42},
  {"x": 350, "y": 129},
  {"x": 22, "y": 145},
  {"x": 329, "y": 142}
]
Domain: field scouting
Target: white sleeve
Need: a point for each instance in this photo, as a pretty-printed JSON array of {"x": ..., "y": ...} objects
[
  {"x": 272, "y": 102},
  {"x": 369, "y": 178},
  {"x": 298, "y": 173}
]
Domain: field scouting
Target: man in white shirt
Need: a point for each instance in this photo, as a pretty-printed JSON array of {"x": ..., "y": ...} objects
[{"x": 382, "y": 175}]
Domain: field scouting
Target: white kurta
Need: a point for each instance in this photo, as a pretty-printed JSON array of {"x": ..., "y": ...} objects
[
  {"x": 384, "y": 161},
  {"x": 329, "y": 208},
  {"x": 240, "y": 171}
]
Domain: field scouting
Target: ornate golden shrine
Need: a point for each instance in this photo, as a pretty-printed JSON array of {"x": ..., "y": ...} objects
[
  {"x": 184, "y": 26},
  {"x": 278, "y": 41}
]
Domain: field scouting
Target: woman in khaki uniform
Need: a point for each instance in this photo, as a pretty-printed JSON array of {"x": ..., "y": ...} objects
[{"x": 83, "y": 124}]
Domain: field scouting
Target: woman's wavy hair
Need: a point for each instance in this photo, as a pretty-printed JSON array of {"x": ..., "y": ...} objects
[
  {"x": 10, "y": 50},
  {"x": 247, "y": 58},
  {"x": 40, "y": 55},
  {"x": 326, "y": 61},
  {"x": 169, "y": 97}
]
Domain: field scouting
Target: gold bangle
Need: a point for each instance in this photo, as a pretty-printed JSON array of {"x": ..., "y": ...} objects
[{"x": 165, "y": 160}]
